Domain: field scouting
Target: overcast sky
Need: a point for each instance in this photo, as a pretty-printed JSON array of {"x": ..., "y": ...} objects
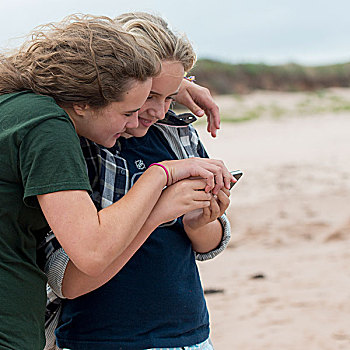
[{"x": 273, "y": 31}]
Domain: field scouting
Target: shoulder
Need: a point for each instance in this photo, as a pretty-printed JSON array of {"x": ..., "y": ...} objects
[
  {"x": 180, "y": 134},
  {"x": 27, "y": 101},
  {"x": 25, "y": 111}
]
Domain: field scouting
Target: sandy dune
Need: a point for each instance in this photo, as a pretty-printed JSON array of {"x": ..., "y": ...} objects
[{"x": 290, "y": 217}]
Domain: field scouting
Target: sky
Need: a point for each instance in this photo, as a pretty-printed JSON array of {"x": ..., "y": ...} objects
[{"x": 273, "y": 32}]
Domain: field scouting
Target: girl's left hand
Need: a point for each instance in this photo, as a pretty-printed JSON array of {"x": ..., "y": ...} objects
[{"x": 200, "y": 217}]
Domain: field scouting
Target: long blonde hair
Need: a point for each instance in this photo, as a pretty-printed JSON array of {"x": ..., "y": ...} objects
[
  {"x": 155, "y": 30},
  {"x": 83, "y": 58}
]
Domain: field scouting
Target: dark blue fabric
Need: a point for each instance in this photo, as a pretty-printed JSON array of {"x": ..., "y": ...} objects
[{"x": 157, "y": 299}]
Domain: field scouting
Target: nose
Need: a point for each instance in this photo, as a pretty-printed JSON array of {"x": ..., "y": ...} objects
[
  {"x": 158, "y": 111},
  {"x": 133, "y": 121}
]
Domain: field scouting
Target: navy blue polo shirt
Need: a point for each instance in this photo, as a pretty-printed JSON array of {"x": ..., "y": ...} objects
[{"x": 157, "y": 299}]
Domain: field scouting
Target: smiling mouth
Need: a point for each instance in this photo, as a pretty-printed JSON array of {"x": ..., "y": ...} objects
[{"x": 146, "y": 122}]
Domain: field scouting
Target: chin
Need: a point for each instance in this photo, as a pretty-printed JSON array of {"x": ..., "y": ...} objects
[
  {"x": 137, "y": 132},
  {"x": 109, "y": 144}
]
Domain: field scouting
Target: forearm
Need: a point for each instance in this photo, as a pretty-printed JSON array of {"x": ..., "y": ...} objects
[
  {"x": 226, "y": 236},
  {"x": 76, "y": 283},
  {"x": 205, "y": 238}
]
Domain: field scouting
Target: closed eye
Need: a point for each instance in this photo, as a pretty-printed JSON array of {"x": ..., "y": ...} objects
[{"x": 131, "y": 113}]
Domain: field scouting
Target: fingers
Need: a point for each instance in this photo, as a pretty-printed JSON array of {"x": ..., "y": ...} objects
[
  {"x": 213, "y": 171},
  {"x": 212, "y": 109},
  {"x": 188, "y": 191},
  {"x": 202, "y": 205},
  {"x": 226, "y": 192},
  {"x": 194, "y": 189},
  {"x": 218, "y": 205},
  {"x": 213, "y": 116},
  {"x": 226, "y": 176},
  {"x": 215, "y": 209},
  {"x": 199, "y": 101},
  {"x": 195, "y": 205},
  {"x": 222, "y": 177},
  {"x": 202, "y": 196},
  {"x": 210, "y": 127},
  {"x": 196, "y": 184},
  {"x": 207, "y": 213},
  {"x": 223, "y": 200},
  {"x": 191, "y": 105},
  {"x": 213, "y": 176},
  {"x": 187, "y": 95},
  {"x": 212, "y": 212},
  {"x": 208, "y": 171}
]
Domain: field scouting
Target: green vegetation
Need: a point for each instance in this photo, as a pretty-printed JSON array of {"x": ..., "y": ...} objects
[
  {"x": 289, "y": 90},
  {"x": 226, "y": 78},
  {"x": 244, "y": 116},
  {"x": 246, "y": 107}
]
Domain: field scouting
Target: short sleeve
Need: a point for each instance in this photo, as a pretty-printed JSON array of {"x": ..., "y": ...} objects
[{"x": 51, "y": 160}]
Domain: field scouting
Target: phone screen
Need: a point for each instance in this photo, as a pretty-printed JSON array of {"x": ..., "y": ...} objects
[{"x": 237, "y": 175}]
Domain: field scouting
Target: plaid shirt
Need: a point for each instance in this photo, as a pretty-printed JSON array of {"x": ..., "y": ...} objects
[{"x": 109, "y": 179}]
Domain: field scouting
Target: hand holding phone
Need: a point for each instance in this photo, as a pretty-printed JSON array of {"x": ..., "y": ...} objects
[{"x": 237, "y": 175}]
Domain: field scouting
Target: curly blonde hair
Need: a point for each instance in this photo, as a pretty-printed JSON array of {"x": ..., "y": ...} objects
[
  {"x": 155, "y": 31},
  {"x": 83, "y": 58}
]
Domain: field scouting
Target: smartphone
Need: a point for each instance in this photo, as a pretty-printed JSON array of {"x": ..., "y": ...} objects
[{"x": 237, "y": 175}]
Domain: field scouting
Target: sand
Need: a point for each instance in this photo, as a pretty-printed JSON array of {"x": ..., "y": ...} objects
[{"x": 284, "y": 280}]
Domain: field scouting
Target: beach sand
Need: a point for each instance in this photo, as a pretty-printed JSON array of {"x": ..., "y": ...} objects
[{"x": 284, "y": 280}]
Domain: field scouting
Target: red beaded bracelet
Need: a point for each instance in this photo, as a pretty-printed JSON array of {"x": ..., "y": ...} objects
[{"x": 165, "y": 169}]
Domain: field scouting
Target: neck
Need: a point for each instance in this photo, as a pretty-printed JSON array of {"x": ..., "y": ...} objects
[{"x": 71, "y": 114}]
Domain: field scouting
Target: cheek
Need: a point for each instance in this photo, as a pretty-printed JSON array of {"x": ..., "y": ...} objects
[
  {"x": 145, "y": 108},
  {"x": 119, "y": 118},
  {"x": 168, "y": 104},
  {"x": 143, "y": 113}
]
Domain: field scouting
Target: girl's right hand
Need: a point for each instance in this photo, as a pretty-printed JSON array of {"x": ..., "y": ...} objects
[
  {"x": 213, "y": 171},
  {"x": 180, "y": 198},
  {"x": 196, "y": 219}
]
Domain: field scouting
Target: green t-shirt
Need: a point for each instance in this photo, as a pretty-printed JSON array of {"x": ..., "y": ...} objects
[{"x": 39, "y": 153}]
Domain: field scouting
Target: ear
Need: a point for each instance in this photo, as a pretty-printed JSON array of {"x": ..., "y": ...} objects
[{"x": 81, "y": 109}]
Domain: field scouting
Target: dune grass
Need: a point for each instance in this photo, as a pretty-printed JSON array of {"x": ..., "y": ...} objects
[
  {"x": 247, "y": 107},
  {"x": 227, "y": 78}
]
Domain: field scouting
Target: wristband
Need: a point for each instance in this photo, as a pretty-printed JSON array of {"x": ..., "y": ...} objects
[
  {"x": 191, "y": 78},
  {"x": 164, "y": 168}
]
